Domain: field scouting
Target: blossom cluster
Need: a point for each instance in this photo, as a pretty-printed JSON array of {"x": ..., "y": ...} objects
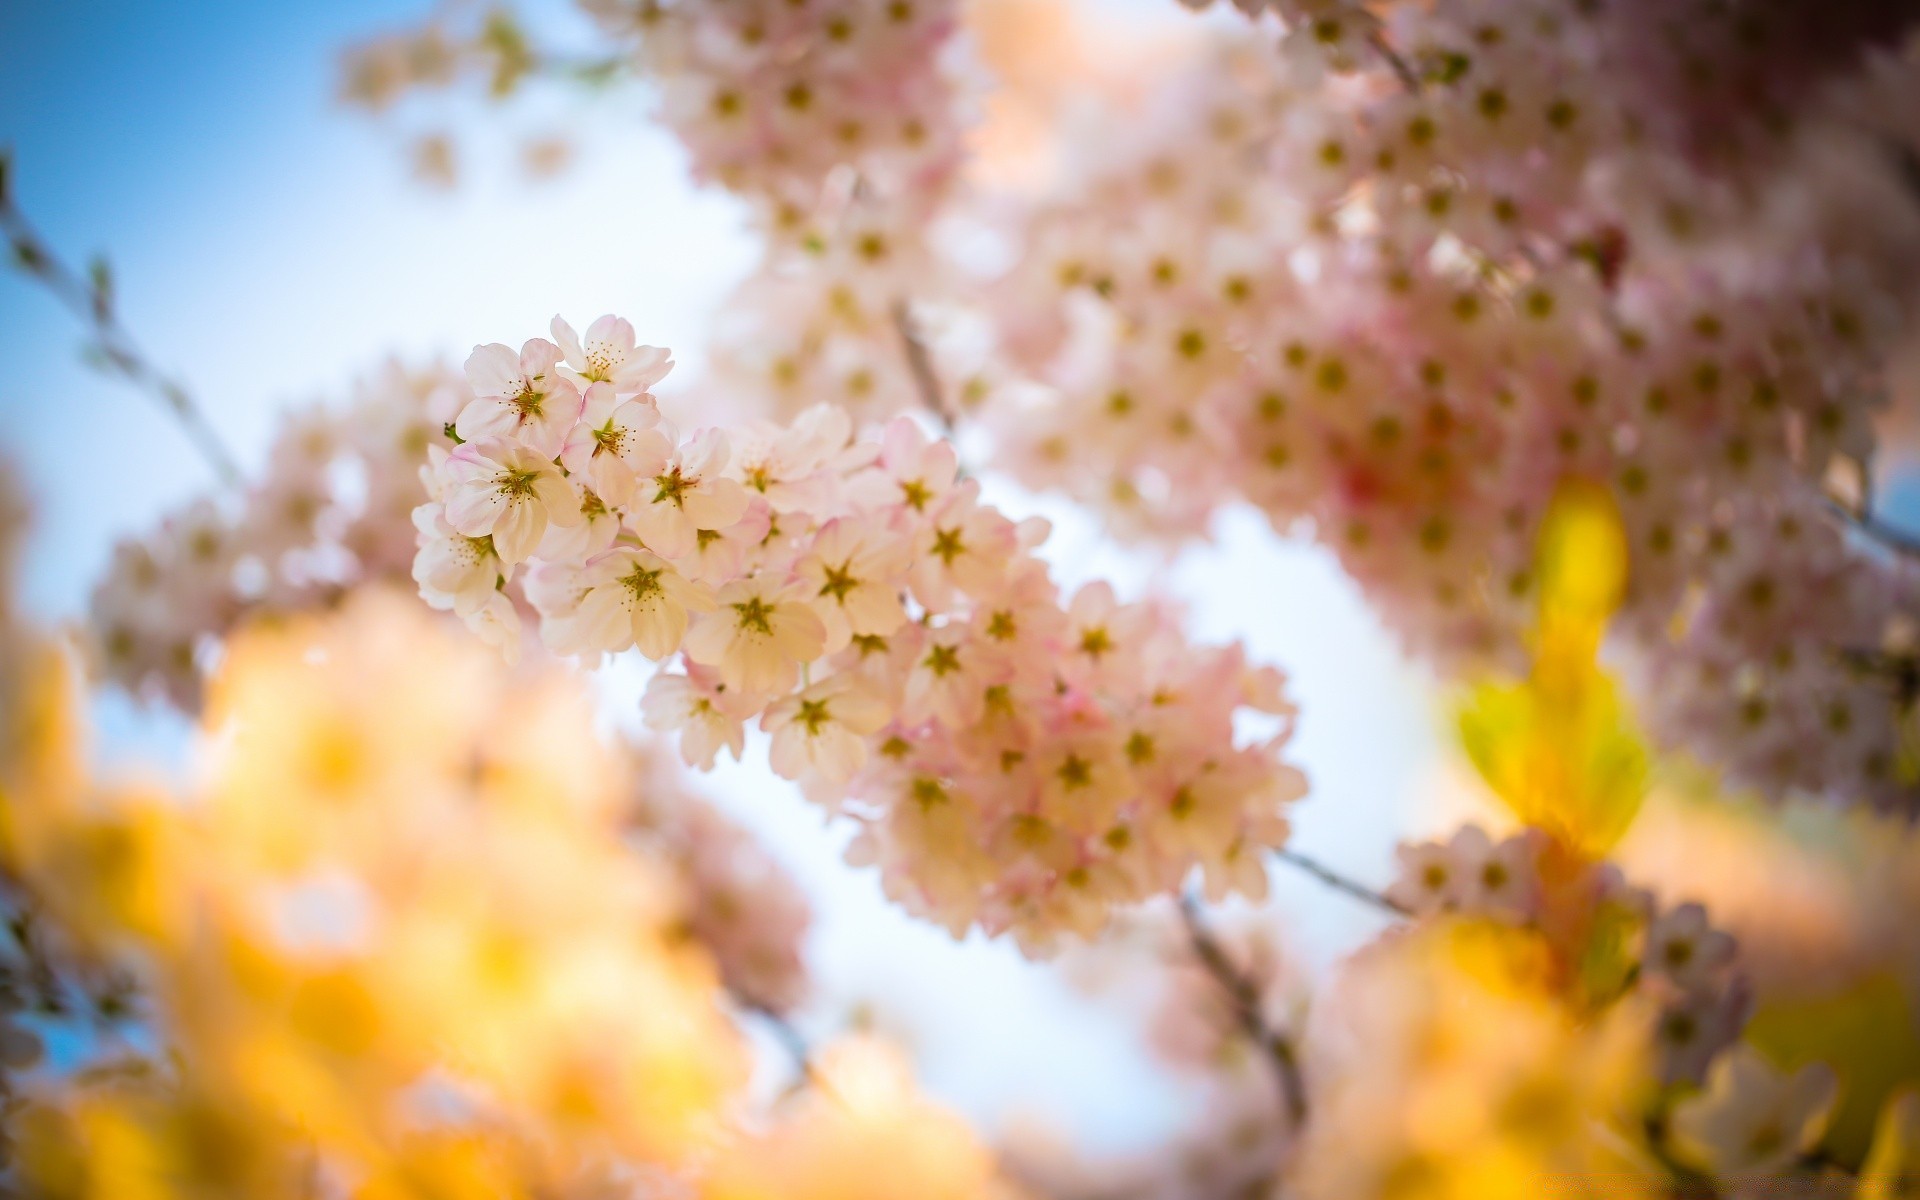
[
  {"x": 1017, "y": 760},
  {"x": 1685, "y": 965},
  {"x": 395, "y": 945},
  {"x": 770, "y": 96},
  {"x": 332, "y": 514},
  {"x": 330, "y": 510},
  {"x": 1394, "y": 296}
]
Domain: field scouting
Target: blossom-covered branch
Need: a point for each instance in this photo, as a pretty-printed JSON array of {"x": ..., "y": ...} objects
[{"x": 1016, "y": 760}]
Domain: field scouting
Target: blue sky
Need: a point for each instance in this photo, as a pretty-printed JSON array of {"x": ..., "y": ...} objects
[{"x": 269, "y": 246}]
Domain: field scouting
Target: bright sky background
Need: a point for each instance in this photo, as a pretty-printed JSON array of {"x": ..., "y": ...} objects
[{"x": 269, "y": 246}]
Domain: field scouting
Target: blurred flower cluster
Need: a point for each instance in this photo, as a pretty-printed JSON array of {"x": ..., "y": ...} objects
[
  {"x": 1565, "y": 327},
  {"x": 1387, "y": 272}
]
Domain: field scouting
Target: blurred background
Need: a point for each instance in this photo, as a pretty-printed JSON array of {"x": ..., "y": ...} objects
[{"x": 269, "y": 246}]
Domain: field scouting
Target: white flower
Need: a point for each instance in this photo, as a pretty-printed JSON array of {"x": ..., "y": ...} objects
[
  {"x": 592, "y": 534},
  {"x": 503, "y": 489},
  {"x": 758, "y": 636},
  {"x": 519, "y": 396},
  {"x": 854, "y": 572},
  {"x": 707, "y": 716},
  {"x": 497, "y": 623},
  {"x": 607, "y": 355},
  {"x": 823, "y": 730},
  {"x": 1752, "y": 1118},
  {"x": 1428, "y": 882},
  {"x": 1681, "y": 946},
  {"x": 454, "y": 571},
  {"x": 615, "y": 443},
  {"x": 627, "y": 597},
  {"x": 687, "y": 495},
  {"x": 787, "y": 466}
]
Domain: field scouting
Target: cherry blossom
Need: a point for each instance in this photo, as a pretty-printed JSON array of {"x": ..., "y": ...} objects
[{"x": 508, "y": 492}]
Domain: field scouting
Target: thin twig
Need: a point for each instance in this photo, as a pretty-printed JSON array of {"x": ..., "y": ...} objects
[
  {"x": 794, "y": 1043},
  {"x": 1870, "y": 526},
  {"x": 1244, "y": 997},
  {"x": 1340, "y": 883},
  {"x": 920, "y": 363},
  {"x": 90, "y": 297},
  {"x": 1400, "y": 67}
]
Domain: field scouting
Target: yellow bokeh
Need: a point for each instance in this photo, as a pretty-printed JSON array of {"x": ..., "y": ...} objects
[{"x": 1559, "y": 748}]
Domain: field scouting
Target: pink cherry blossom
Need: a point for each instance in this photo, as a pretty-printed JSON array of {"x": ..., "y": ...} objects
[
  {"x": 519, "y": 396},
  {"x": 507, "y": 491}
]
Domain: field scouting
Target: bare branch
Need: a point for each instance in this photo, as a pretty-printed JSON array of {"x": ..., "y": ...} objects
[
  {"x": 1340, "y": 883},
  {"x": 1244, "y": 997},
  {"x": 920, "y": 362},
  {"x": 90, "y": 297}
]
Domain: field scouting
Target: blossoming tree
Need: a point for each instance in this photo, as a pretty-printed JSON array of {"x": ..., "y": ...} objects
[{"x": 1568, "y": 328}]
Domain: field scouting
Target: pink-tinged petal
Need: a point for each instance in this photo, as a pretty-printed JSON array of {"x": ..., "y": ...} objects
[
  {"x": 493, "y": 370},
  {"x": 518, "y": 531},
  {"x": 485, "y": 417},
  {"x": 647, "y": 452},
  {"x": 686, "y": 593},
  {"x": 636, "y": 414},
  {"x": 645, "y": 366},
  {"x": 577, "y": 454},
  {"x": 900, "y": 446},
  {"x": 874, "y": 610},
  {"x": 611, "y": 479},
  {"x": 708, "y": 641},
  {"x": 557, "y": 497},
  {"x": 498, "y": 624},
  {"x": 837, "y": 754},
  {"x": 939, "y": 464},
  {"x": 605, "y": 622},
  {"x": 569, "y": 342},
  {"x": 665, "y": 529},
  {"x": 610, "y": 330},
  {"x": 860, "y": 710},
  {"x": 787, "y": 755},
  {"x": 705, "y": 453},
  {"x": 598, "y": 404},
  {"x": 658, "y": 627},
  {"x": 430, "y": 519},
  {"x": 538, "y": 358},
  {"x": 757, "y": 665},
  {"x": 798, "y": 632},
  {"x": 716, "y": 504},
  {"x": 475, "y": 510}
]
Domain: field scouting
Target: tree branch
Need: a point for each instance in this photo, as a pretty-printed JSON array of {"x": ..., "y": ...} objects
[
  {"x": 1340, "y": 883},
  {"x": 794, "y": 1043},
  {"x": 90, "y": 297},
  {"x": 920, "y": 363},
  {"x": 1889, "y": 537},
  {"x": 1401, "y": 69},
  {"x": 1243, "y": 995}
]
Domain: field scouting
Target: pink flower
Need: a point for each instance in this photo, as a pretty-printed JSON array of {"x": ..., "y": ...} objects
[
  {"x": 454, "y": 571},
  {"x": 686, "y": 495},
  {"x": 519, "y": 396},
  {"x": 608, "y": 355},
  {"x": 616, "y": 443},
  {"x": 625, "y": 597},
  {"x": 504, "y": 490},
  {"x": 758, "y": 635},
  {"x": 821, "y": 730},
  {"x": 854, "y": 572},
  {"x": 962, "y": 548},
  {"x": 707, "y": 715},
  {"x": 914, "y": 472}
]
